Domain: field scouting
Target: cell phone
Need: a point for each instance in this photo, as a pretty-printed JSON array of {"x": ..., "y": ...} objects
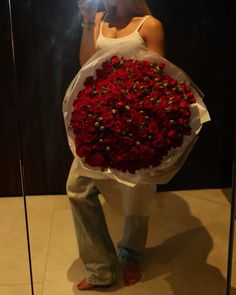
[
  {"x": 89, "y": 1},
  {"x": 87, "y": 4}
]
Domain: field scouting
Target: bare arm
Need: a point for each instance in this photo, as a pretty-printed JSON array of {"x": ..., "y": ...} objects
[
  {"x": 89, "y": 37},
  {"x": 154, "y": 36}
]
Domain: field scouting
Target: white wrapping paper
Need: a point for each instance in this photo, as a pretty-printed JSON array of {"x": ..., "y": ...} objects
[{"x": 176, "y": 157}]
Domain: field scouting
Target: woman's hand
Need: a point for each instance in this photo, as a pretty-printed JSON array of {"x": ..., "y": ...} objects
[{"x": 88, "y": 9}]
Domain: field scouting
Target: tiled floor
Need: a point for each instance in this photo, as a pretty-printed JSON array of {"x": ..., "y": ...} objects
[{"x": 186, "y": 249}]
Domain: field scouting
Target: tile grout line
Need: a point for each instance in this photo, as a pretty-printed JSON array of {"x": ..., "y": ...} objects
[
  {"x": 178, "y": 193},
  {"x": 203, "y": 199},
  {"x": 209, "y": 201},
  {"x": 14, "y": 285},
  {"x": 49, "y": 242}
]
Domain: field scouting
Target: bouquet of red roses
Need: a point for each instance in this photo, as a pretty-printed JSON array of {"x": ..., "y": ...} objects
[{"x": 130, "y": 115}]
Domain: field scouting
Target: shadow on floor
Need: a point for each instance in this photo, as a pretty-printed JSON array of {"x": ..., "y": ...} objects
[
  {"x": 227, "y": 193},
  {"x": 181, "y": 257}
]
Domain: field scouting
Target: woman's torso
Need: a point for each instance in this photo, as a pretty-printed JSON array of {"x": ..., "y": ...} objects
[{"x": 131, "y": 32}]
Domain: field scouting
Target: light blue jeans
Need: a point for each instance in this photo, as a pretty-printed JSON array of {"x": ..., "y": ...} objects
[{"x": 96, "y": 248}]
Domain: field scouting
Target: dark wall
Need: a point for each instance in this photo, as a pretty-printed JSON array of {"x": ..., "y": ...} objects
[
  {"x": 9, "y": 158},
  {"x": 199, "y": 39},
  {"x": 47, "y": 46}
]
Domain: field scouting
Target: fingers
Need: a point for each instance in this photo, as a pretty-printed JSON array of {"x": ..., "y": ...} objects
[{"x": 88, "y": 7}]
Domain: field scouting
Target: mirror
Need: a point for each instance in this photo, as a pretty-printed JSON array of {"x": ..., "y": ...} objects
[
  {"x": 232, "y": 233},
  {"x": 14, "y": 266},
  {"x": 233, "y": 283},
  {"x": 187, "y": 243}
]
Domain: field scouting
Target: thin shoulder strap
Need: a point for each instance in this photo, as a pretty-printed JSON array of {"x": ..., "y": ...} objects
[
  {"x": 142, "y": 21},
  {"x": 103, "y": 18}
]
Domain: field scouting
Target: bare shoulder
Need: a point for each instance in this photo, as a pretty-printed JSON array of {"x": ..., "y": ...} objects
[
  {"x": 153, "y": 34},
  {"x": 153, "y": 23}
]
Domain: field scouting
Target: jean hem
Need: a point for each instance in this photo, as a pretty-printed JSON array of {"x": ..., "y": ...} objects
[{"x": 100, "y": 283}]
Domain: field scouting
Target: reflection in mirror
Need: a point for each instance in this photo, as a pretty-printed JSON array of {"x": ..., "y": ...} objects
[
  {"x": 234, "y": 249},
  {"x": 14, "y": 267},
  {"x": 232, "y": 237},
  {"x": 233, "y": 278},
  {"x": 187, "y": 242}
]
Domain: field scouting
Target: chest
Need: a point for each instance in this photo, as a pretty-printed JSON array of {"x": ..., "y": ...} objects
[{"x": 117, "y": 30}]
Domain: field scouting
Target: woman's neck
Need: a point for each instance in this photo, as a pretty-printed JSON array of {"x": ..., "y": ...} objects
[{"x": 121, "y": 13}]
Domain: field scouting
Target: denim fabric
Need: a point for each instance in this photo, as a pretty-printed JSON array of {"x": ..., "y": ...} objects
[
  {"x": 96, "y": 248},
  {"x": 132, "y": 245}
]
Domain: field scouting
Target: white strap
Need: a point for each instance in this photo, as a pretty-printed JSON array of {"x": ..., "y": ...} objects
[
  {"x": 102, "y": 22},
  {"x": 141, "y": 23},
  {"x": 143, "y": 20}
]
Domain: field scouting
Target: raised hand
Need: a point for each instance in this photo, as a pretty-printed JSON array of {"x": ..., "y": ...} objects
[{"x": 88, "y": 9}]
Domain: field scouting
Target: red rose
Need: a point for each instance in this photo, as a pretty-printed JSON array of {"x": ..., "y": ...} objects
[
  {"x": 88, "y": 81},
  {"x": 182, "y": 121},
  {"x": 172, "y": 134},
  {"x": 130, "y": 115},
  {"x": 95, "y": 160},
  {"x": 100, "y": 73},
  {"x": 83, "y": 151},
  {"x": 191, "y": 98},
  {"x": 135, "y": 153},
  {"x": 184, "y": 104},
  {"x": 152, "y": 128},
  {"x": 115, "y": 60}
]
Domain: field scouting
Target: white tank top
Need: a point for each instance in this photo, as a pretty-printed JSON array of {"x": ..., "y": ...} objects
[{"x": 106, "y": 42}]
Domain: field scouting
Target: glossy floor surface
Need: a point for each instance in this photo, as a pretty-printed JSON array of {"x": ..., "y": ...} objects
[{"x": 186, "y": 251}]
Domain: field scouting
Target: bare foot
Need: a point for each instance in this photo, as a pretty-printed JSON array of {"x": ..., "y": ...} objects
[
  {"x": 84, "y": 285},
  {"x": 131, "y": 273}
]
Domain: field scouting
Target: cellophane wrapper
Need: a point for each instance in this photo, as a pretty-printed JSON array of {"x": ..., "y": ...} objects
[{"x": 176, "y": 157}]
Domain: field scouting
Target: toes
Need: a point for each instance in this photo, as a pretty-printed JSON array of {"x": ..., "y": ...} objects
[
  {"x": 83, "y": 285},
  {"x": 131, "y": 280},
  {"x": 131, "y": 274}
]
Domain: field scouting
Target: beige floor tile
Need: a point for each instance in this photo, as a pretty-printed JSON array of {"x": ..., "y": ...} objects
[
  {"x": 143, "y": 288},
  {"x": 220, "y": 196},
  {"x": 186, "y": 249},
  {"x": 186, "y": 239},
  {"x": 38, "y": 288},
  {"x": 62, "y": 246},
  {"x": 180, "y": 254},
  {"x": 182, "y": 214},
  {"x": 14, "y": 265},
  {"x": 234, "y": 259},
  {"x": 40, "y": 216},
  {"x": 16, "y": 289},
  {"x": 216, "y": 220}
]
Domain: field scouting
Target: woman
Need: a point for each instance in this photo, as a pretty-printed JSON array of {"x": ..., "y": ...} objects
[{"x": 121, "y": 22}]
